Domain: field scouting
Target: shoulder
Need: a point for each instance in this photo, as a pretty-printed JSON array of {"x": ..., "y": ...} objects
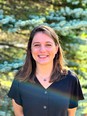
[
  {"x": 71, "y": 75},
  {"x": 21, "y": 85},
  {"x": 16, "y": 84}
]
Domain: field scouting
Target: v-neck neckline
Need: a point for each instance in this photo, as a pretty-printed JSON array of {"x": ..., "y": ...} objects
[{"x": 37, "y": 81}]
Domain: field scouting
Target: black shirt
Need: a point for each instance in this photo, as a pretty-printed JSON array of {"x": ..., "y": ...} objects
[{"x": 53, "y": 101}]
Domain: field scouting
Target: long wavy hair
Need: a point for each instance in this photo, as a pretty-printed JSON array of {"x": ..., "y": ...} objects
[{"x": 27, "y": 71}]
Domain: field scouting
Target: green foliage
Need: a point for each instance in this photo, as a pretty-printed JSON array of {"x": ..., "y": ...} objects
[
  {"x": 66, "y": 21},
  {"x": 11, "y": 53},
  {"x": 8, "y": 66},
  {"x": 21, "y": 9},
  {"x": 18, "y": 18}
]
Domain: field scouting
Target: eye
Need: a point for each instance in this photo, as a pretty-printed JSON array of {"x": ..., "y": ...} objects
[
  {"x": 49, "y": 45},
  {"x": 36, "y": 45}
]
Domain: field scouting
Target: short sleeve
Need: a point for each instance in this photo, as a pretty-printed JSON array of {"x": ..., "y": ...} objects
[
  {"x": 76, "y": 93},
  {"x": 14, "y": 92}
]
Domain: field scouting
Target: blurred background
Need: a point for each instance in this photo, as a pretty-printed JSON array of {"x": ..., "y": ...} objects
[{"x": 18, "y": 17}]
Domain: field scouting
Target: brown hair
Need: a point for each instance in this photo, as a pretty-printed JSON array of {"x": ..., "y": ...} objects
[{"x": 27, "y": 72}]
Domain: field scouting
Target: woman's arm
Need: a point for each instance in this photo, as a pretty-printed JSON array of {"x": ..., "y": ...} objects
[
  {"x": 72, "y": 111},
  {"x": 18, "y": 110}
]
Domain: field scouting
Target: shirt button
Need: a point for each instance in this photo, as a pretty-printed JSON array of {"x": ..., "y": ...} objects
[
  {"x": 45, "y": 107},
  {"x": 45, "y": 92}
]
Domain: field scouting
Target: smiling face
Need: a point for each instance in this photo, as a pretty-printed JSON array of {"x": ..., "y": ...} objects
[{"x": 43, "y": 48}]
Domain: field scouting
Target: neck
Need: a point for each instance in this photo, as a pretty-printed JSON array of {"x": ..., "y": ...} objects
[{"x": 44, "y": 71}]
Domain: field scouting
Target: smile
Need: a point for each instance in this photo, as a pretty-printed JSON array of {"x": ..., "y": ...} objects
[{"x": 42, "y": 56}]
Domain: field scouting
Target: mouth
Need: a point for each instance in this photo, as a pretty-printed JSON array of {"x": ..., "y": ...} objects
[{"x": 42, "y": 56}]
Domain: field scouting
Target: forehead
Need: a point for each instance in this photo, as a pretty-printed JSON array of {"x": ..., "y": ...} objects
[{"x": 41, "y": 36}]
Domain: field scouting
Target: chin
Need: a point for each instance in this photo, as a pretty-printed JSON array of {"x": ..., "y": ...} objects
[{"x": 43, "y": 63}]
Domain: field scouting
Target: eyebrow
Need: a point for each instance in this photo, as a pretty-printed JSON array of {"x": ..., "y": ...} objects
[{"x": 39, "y": 42}]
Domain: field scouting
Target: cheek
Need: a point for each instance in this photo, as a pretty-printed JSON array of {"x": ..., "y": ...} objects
[
  {"x": 54, "y": 50},
  {"x": 34, "y": 53}
]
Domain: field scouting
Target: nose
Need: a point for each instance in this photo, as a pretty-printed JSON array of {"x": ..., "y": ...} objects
[{"x": 42, "y": 49}]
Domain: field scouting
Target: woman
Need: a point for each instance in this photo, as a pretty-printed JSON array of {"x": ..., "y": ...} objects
[{"x": 43, "y": 87}]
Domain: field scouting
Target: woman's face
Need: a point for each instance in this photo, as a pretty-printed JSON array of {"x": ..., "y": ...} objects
[{"x": 43, "y": 48}]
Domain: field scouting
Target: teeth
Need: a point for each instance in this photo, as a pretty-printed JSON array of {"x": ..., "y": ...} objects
[{"x": 42, "y": 56}]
